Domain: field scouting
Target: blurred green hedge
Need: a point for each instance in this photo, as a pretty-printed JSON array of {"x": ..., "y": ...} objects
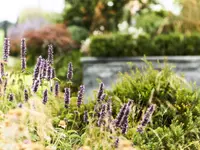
[{"x": 119, "y": 45}]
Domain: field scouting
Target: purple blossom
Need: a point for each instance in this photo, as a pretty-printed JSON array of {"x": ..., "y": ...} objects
[
  {"x": 85, "y": 117},
  {"x": 125, "y": 127},
  {"x": 109, "y": 109},
  {"x": 116, "y": 144},
  {"x": 67, "y": 97},
  {"x": 100, "y": 92},
  {"x": 52, "y": 73},
  {"x": 103, "y": 96},
  {"x": 23, "y": 54},
  {"x": 50, "y": 54},
  {"x": 120, "y": 115},
  {"x": 41, "y": 68},
  {"x": 48, "y": 72},
  {"x": 80, "y": 95},
  {"x": 37, "y": 68},
  {"x": 2, "y": 69},
  {"x": 57, "y": 87},
  {"x": 25, "y": 95},
  {"x": 45, "y": 97},
  {"x": 6, "y": 49},
  {"x": 35, "y": 85},
  {"x": 23, "y": 64},
  {"x": 20, "y": 105},
  {"x": 101, "y": 115},
  {"x": 45, "y": 65},
  {"x": 146, "y": 118},
  {"x": 11, "y": 97},
  {"x": 70, "y": 71},
  {"x": 5, "y": 85}
]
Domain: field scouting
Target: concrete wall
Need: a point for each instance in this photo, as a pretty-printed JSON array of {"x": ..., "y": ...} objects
[{"x": 107, "y": 69}]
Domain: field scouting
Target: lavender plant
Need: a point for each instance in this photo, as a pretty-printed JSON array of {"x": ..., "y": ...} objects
[
  {"x": 6, "y": 49},
  {"x": 80, "y": 95},
  {"x": 45, "y": 97},
  {"x": 70, "y": 71},
  {"x": 57, "y": 88},
  {"x": 23, "y": 54},
  {"x": 67, "y": 97}
]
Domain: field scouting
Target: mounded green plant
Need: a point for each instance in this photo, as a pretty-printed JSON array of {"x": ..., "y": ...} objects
[{"x": 120, "y": 45}]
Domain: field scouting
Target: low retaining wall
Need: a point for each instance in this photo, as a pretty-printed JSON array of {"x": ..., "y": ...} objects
[{"x": 107, "y": 69}]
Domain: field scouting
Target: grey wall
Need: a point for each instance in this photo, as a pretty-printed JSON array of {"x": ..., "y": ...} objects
[{"x": 107, "y": 69}]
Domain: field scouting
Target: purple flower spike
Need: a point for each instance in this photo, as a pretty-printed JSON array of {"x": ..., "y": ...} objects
[
  {"x": 57, "y": 88},
  {"x": 45, "y": 68},
  {"x": 25, "y": 95},
  {"x": 11, "y": 97},
  {"x": 101, "y": 115},
  {"x": 120, "y": 115},
  {"x": 37, "y": 68},
  {"x": 20, "y": 105},
  {"x": 52, "y": 73},
  {"x": 35, "y": 85},
  {"x": 6, "y": 49},
  {"x": 5, "y": 85},
  {"x": 67, "y": 97},
  {"x": 45, "y": 97},
  {"x": 147, "y": 117},
  {"x": 70, "y": 71},
  {"x": 109, "y": 109},
  {"x": 85, "y": 117},
  {"x": 48, "y": 72},
  {"x": 2, "y": 69},
  {"x": 23, "y": 54},
  {"x": 100, "y": 92},
  {"x": 80, "y": 95},
  {"x": 116, "y": 144},
  {"x": 50, "y": 54}
]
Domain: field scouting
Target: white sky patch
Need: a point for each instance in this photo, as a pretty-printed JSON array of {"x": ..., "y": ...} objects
[{"x": 10, "y": 9}]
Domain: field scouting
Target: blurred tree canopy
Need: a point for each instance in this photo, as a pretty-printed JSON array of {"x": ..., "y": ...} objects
[{"x": 100, "y": 14}]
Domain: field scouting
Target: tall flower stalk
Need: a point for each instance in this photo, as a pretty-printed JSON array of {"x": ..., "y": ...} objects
[
  {"x": 23, "y": 54},
  {"x": 37, "y": 68},
  {"x": 6, "y": 49},
  {"x": 70, "y": 71},
  {"x": 67, "y": 97},
  {"x": 146, "y": 118},
  {"x": 80, "y": 95},
  {"x": 100, "y": 92},
  {"x": 45, "y": 97},
  {"x": 57, "y": 88},
  {"x": 2, "y": 69}
]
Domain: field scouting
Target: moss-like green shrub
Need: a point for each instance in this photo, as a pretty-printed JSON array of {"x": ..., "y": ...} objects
[
  {"x": 120, "y": 45},
  {"x": 171, "y": 44},
  {"x": 108, "y": 45}
]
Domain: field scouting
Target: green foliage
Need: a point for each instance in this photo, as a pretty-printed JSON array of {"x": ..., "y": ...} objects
[
  {"x": 150, "y": 21},
  {"x": 78, "y": 33},
  {"x": 95, "y": 13},
  {"x": 112, "y": 45},
  {"x": 175, "y": 123},
  {"x": 119, "y": 45}
]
